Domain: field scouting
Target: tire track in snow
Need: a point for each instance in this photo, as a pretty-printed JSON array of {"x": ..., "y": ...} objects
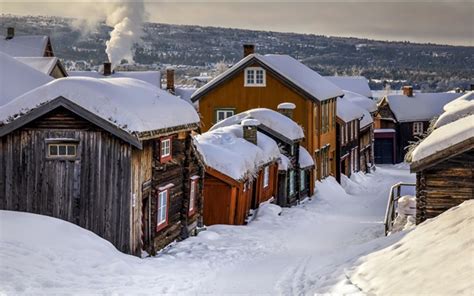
[{"x": 296, "y": 281}]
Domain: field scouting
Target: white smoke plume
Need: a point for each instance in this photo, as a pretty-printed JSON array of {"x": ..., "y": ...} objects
[{"x": 127, "y": 19}]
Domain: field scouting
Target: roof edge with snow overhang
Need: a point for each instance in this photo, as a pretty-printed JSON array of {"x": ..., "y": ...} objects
[{"x": 231, "y": 72}]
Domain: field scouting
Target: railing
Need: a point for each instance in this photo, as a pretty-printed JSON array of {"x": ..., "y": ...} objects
[{"x": 398, "y": 190}]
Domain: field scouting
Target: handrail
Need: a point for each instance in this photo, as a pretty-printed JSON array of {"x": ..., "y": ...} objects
[{"x": 392, "y": 199}]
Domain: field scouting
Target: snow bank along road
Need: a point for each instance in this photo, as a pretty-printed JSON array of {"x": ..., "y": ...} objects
[{"x": 304, "y": 250}]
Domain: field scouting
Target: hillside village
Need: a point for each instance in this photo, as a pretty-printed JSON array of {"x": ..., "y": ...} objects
[{"x": 148, "y": 184}]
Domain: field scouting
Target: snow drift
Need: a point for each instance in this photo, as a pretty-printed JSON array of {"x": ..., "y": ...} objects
[{"x": 436, "y": 258}]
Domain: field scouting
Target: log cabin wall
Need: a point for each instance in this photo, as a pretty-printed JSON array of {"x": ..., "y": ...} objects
[
  {"x": 444, "y": 185},
  {"x": 365, "y": 146},
  {"x": 91, "y": 190},
  {"x": 178, "y": 172}
]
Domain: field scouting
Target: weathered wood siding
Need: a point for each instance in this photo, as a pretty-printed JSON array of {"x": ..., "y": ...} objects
[
  {"x": 178, "y": 172},
  {"x": 92, "y": 190},
  {"x": 445, "y": 185}
]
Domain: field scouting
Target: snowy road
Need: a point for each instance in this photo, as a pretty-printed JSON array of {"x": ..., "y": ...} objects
[{"x": 302, "y": 251}]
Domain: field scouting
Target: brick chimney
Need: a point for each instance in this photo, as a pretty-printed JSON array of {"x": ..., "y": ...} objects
[
  {"x": 248, "y": 49},
  {"x": 408, "y": 91},
  {"x": 170, "y": 80},
  {"x": 250, "y": 130},
  {"x": 10, "y": 33},
  {"x": 107, "y": 68},
  {"x": 286, "y": 109}
]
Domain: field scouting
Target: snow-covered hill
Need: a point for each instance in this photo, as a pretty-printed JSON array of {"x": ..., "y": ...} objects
[{"x": 333, "y": 243}]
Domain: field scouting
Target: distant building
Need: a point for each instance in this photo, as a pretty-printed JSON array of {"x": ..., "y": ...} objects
[{"x": 402, "y": 119}]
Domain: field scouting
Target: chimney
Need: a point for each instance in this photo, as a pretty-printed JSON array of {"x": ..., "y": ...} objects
[
  {"x": 10, "y": 33},
  {"x": 286, "y": 109},
  {"x": 107, "y": 68},
  {"x": 248, "y": 49},
  {"x": 408, "y": 91},
  {"x": 170, "y": 80},
  {"x": 250, "y": 130}
]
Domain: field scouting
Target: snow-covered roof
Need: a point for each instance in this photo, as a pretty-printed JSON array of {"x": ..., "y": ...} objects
[
  {"x": 305, "y": 158},
  {"x": 444, "y": 137},
  {"x": 361, "y": 101},
  {"x": 130, "y": 104},
  {"x": 42, "y": 64},
  {"x": 419, "y": 107},
  {"x": 366, "y": 119},
  {"x": 16, "y": 78},
  {"x": 461, "y": 107},
  {"x": 348, "y": 111},
  {"x": 284, "y": 163},
  {"x": 152, "y": 77},
  {"x": 356, "y": 84},
  {"x": 185, "y": 92},
  {"x": 291, "y": 69},
  {"x": 24, "y": 46},
  {"x": 225, "y": 150},
  {"x": 269, "y": 118}
]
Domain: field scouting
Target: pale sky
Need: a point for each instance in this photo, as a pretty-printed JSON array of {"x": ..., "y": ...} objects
[{"x": 444, "y": 22}]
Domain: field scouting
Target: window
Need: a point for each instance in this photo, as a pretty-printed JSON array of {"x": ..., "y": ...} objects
[
  {"x": 302, "y": 180},
  {"x": 292, "y": 182},
  {"x": 355, "y": 129},
  {"x": 266, "y": 176},
  {"x": 342, "y": 134},
  {"x": 192, "y": 195},
  {"x": 222, "y": 114},
  {"x": 62, "y": 150},
  {"x": 162, "y": 214},
  {"x": 351, "y": 130},
  {"x": 417, "y": 128},
  {"x": 346, "y": 133},
  {"x": 165, "y": 149},
  {"x": 255, "y": 76}
]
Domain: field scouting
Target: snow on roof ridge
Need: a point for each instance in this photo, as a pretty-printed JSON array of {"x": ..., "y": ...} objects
[
  {"x": 348, "y": 111},
  {"x": 357, "y": 84},
  {"x": 17, "y": 46},
  {"x": 270, "y": 118},
  {"x": 127, "y": 103},
  {"x": 42, "y": 64},
  {"x": 444, "y": 137},
  {"x": 225, "y": 150},
  {"x": 457, "y": 109}
]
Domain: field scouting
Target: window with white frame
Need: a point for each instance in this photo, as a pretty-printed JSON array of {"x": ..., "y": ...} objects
[
  {"x": 302, "y": 180},
  {"x": 255, "y": 76},
  {"x": 342, "y": 134},
  {"x": 162, "y": 215},
  {"x": 292, "y": 182},
  {"x": 165, "y": 147},
  {"x": 266, "y": 176},
  {"x": 417, "y": 128},
  {"x": 62, "y": 150},
  {"x": 355, "y": 129},
  {"x": 192, "y": 195},
  {"x": 346, "y": 132},
  {"x": 222, "y": 114}
]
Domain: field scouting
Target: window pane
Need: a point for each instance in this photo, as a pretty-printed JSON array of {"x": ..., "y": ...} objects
[
  {"x": 220, "y": 115},
  {"x": 53, "y": 150},
  {"x": 62, "y": 149},
  {"x": 71, "y": 150}
]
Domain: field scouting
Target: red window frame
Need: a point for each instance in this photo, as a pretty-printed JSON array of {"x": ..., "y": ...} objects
[
  {"x": 162, "y": 225},
  {"x": 166, "y": 158},
  {"x": 194, "y": 183}
]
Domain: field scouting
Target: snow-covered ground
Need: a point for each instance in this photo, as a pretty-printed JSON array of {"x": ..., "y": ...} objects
[{"x": 307, "y": 249}]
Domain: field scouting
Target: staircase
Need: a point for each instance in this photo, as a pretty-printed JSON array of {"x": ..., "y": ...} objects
[{"x": 396, "y": 191}]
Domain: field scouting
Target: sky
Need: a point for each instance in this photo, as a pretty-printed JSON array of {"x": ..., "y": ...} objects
[{"x": 443, "y": 22}]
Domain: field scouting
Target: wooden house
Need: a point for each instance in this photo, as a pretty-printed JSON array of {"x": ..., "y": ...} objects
[
  {"x": 241, "y": 171},
  {"x": 293, "y": 176},
  {"x": 25, "y": 45},
  {"x": 348, "y": 124},
  {"x": 409, "y": 115},
  {"x": 51, "y": 66},
  {"x": 353, "y": 84},
  {"x": 108, "y": 155},
  {"x": 17, "y": 78},
  {"x": 264, "y": 81},
  {"x": 444, "y": 162}
]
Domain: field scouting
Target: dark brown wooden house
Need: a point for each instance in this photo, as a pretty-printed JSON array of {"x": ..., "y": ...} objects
[
  {"x": 409, "y": 115},
  {"x": 109, "y": 156},
  {"x": 444, "y": 167},
  {"x": 241, "y": 172}
]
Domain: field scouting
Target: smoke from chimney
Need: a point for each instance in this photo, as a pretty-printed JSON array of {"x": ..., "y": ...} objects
[{"x": 127, "y": 18}]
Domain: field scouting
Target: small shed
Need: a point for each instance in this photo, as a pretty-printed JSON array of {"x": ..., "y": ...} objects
[
  {"x": 108, "y": 155},
  {"x": 444, "y": 162},
  {"x": 241, "y": 171},
  {"x": 279, "y": 126}
]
